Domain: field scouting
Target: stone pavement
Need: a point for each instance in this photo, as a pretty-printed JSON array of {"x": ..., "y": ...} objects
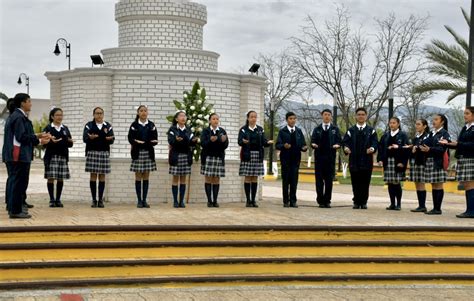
[
  {"x": 247, "y": 293},
  {"x": 270, "y": 212}
]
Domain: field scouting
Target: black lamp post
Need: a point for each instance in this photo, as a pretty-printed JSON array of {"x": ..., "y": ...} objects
[
  {"x": 390, "y": 100},
  {"x": 469, "y": 62},
  {"x": 27, "y": 81},
  {"x": 270, "y": 150},
  {"x": 67, "y": 45},
  {"x": 334, "y": 122}
]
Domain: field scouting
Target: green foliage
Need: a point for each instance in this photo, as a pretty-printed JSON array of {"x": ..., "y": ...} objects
[
  {"x": 197, "y": 110},
  {"x": 38, "y": 126},
  {"x": 3, "y": 96}
]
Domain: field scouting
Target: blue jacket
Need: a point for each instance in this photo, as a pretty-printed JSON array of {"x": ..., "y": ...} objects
[
  {"x": 19, "y": 126},
  {"x": 286, "y": 155}
]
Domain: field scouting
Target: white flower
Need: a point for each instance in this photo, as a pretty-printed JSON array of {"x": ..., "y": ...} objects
[
  {"x": 199, "y": 91},
  {"x": 198, "y": 121},
  {"x": 192, "y": 108},
  {"x": 205, "y": 97},
  {"x": 195, "y": 151},
  {"x": 188, "y": 122},
  {"x": 185, "y": 94},
  {"x": 192, "y": 129},
  {"x": 199, "y": 102},
  {"x": 206, "y": 117},
  {"x": 200, "y": 116},
  {"x": 194, "y": 114},
  {"x": 211, "y": 111}
]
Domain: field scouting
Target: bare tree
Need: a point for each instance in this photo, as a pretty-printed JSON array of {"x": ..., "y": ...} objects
[
  {"x": 283, "y": 78},
  {"x": 339, "y": 60},
  {"x": 411, "y": 107}
]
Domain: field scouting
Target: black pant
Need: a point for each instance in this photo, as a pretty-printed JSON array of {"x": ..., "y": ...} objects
[
  {"x": 289, "y": 175},
  {"x": 360, "y": 185},
  {"x": 18, "y": 184},
  {"x": 324, "y": 177}
]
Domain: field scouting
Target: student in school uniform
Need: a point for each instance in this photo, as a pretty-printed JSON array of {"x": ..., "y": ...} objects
[
  {"x": 142, "y": 136},
  {"x": 360, "y": 143},
  {"x": 56, "y": 156},
  {"x": 393, "y": 156},
  {"x": 325, "y": 140},
  {"x": 214, "y": 142},
  {"x": 181, "y": 142},
  {"x": 417, "y": 163},
  {"x": 98, "y": 135},
  {"x": 436, "y": 159},
  {"x": 17, "y": 153},
  {"x": 290, "y": 143},
  {"x": 465, "y": 165},
  {"x": 252, "y": 141}
]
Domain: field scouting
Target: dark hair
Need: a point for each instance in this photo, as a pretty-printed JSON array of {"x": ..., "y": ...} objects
[
  {"x": 361, "y": 109},
  {"x": 444, "y": 119},
  {"x": 19, "y": 98},
  {"x": 248, "y": 115},
  {"x": 425, "y": 122},
  {"x": 470, "y": 108},
  {"x": 289, "y": 114},
  {"x": 11, "y": 105},
  {"x": 138, "y": 109},
  {"x": 398, "y": 121},
  {"x": 97, "y": 108},
  {"x": 326, "y": 111},
  {"x": 52, "y": 112},
  {"x": 175, "y": 122},
  {"x": 210, "y": 116}
]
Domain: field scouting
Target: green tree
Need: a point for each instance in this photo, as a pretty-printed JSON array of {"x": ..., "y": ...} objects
[{"x": 449, "y": 62}]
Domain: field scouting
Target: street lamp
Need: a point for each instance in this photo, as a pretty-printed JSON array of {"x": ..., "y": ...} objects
[
  {"x": 67, "y": 45},
  {"x": 335, "y": 102},
  {"x": 270, "y": 150},
  {"x": 390, "y": 99},
  {"x": 27, "y": 81}
]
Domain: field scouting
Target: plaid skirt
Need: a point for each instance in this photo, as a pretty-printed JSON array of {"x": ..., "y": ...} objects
[
  {"x": 57, "y": 168},
  {"x": 465, "y": 170},
  {"x": 433, "y": 175},
  {"x": 143, "y": 163},
  {"x": 98, "y": 162},
  {"x": 417, "y": 172},
  {"x": 390, "y": 173},
  {"x": 213, "y": 167},
  {"x": 182, "y": 168},
  {"x": 252, "y": 168}
]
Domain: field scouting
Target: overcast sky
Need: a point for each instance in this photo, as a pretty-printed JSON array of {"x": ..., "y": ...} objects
[{"x": 237, "y": 29}]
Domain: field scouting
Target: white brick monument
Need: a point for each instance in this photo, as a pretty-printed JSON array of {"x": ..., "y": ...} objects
[{"x": 159, "y": 56}]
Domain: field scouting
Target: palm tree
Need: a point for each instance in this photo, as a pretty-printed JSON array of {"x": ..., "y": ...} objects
[{"x": 450, "y": 62}]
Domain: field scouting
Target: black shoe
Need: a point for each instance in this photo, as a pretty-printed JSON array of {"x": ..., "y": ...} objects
[
  {"x": 215, "y": 205},
  {"x": 363, "y": 207},
  {"x": 100, "y": 204},
  {"x": 254, "y": 204},
  {"x": 139, "y": 205},
  {"x": 175, "y": 205},
  {"x": 182, "y": 205},
  {"x": 20, "y": 215},
  {"x": 59, "y": 204},
  {"x": 28, "y": 205},
  {"x": 209, "y": 204},
  {"x": 327, "y": 206},
  {"x": 465, "y": 215},
  {"x": 419, "y": 209},
  {"x": 322, "y": 206},
  {"x": 356, "y": 207},
  {"x": 145, "y": 204},
  {"x": 24, "y": 208},
  {"x": 434, "y": 212},
  {"x": 94, "y": 204},
  {"x": 52, "y": 204},
  {"x": 391, "y": 207},
  {"x": 293, "y": 205},
  {"x": 286, "y": 205},
  {"x": 398, "y": 208},
  {"x": 248, "y": 204}
]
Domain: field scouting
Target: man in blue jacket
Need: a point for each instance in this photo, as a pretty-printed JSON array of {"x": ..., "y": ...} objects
[
  {"x": 290, "y": 143},
  {"x": 17, "y": 153}
]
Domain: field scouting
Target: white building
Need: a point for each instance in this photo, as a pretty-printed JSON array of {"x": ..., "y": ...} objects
[{"x": 159, "y": 56}]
